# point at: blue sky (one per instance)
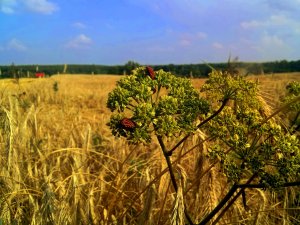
(148, 31)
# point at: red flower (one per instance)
(150, 72)
(127, 124)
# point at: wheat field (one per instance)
(60, 163)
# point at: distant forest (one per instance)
(190, 70)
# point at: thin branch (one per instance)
(219, 206)
(223, 203)
(167, 157)
(248, 185)
(171, 172)
(230, 203)
(288, 184)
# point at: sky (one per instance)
(112, 32)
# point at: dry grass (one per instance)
(61, 165)
(273, 86)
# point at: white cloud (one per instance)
(271, 40)
(38, 6)
(79, 42)
(217, 45)
(272, 47)
(7, 10)
(41, 6)
(287, 5)
(251, 24)
(7, 6)
(201, 35)
(278, 20)
(188, 39)
(185, 42)
(15, 44)
(79, 25)
(273, 20)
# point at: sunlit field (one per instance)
(60, 164)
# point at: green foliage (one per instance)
(245, 141)
(223, 85)
(166, 105)
(293, 92)
(253, 144)
(293, 88)
(248, 145)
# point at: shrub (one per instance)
(251, 149)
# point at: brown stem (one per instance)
(171, 172)
(168, 160)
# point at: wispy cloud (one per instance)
(15, 44)
(79, 25)
(273, 20)
(41, 6)
(287, 5)
(275, 37)
(251, 24)
(8, 6)
(185, 42)
(179, 30)
(201, 35)
(272, 40)
(38, 6)
(217, 45)
(188, 39)
(79, 42)
(272, 47)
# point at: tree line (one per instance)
(191, 70)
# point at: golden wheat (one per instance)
(61, 165)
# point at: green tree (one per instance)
(131, 65)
